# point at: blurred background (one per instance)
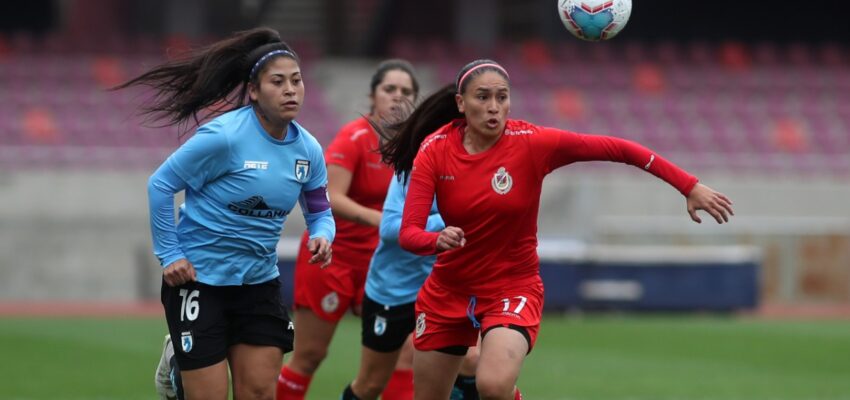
(754, 101)
(751, 97)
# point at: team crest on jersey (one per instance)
(330, 302)
(502, 181)
(380, 325)
(186, 341)
(302, 170)
(420, 324)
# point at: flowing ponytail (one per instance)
(212, 79)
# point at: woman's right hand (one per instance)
(450, 238)
(320, 248)
(179, 272)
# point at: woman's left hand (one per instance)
(715, 203)
(321, 250)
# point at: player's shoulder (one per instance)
(524, 132)
(356, 130)
(228, 123)
(437, 139)
(217, 125)
(520, 128)
(306, 136)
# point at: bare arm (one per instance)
(339, 181)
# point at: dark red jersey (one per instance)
(494, 196)
(355, 149)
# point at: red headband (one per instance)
(462, 78)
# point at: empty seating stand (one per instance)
(761, 107)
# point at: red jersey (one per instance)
(355, 149)
(494, 196)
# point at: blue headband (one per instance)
(263, 59)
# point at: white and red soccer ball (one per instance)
(594, 20)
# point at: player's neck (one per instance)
(476, 142)
(276, 129)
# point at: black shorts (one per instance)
(204, 320)
(386, 328)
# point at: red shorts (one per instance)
(331, 291)
(447, 319)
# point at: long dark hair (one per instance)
(438, 109)
(214, 78)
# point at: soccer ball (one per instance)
(594, 20)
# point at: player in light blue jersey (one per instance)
(392, 284)
(242, 173)
(395, 275)
(241, 183)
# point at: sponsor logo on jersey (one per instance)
(502, 181)
(290, 326)
(186, 341)
(420, 324)
(380, 325)
(430, 140)
(510, 132)
(330, 302)
(256, 164)
(302, 170)
(255, 206)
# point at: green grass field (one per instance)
(601, 357)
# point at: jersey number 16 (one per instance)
(189, 307)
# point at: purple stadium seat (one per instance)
(718, 118)
(667, 53)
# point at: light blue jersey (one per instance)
(396, 275)
(240, 183)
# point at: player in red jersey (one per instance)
(487, 172)
(357, 186)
